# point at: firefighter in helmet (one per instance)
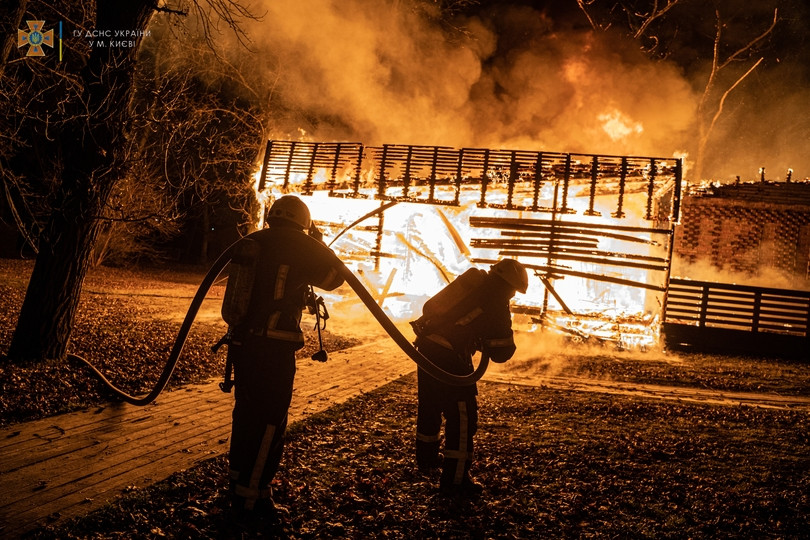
(478, 319)
(284, 260)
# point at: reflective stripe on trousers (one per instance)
(463, 430)
(252, 492)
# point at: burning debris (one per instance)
(595, 230)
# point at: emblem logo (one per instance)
(35, 38)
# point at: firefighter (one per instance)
(287, 258)
(475, 316)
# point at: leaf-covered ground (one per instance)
(126, 325)
(555, 465)
(127, 322)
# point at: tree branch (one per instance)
(727, 92)
(750, 44)
(654, 13)
(583, 6)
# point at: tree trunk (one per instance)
(47, 314)
(92, 150)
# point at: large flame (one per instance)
(412, 250)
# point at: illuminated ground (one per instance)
(556, 464)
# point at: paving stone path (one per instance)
(71, 464)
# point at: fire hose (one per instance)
(179, 342)
(209, 279)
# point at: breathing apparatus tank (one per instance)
(442, 306)
(239, 288)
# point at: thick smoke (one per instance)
(366, 71)
(511, 77)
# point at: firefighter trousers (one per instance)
(459, 408)
(264, 371)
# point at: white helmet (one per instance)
(292, 209)
(512, 272)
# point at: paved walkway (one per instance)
(71, 464)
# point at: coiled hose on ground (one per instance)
(351, 280)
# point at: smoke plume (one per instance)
(513, 77)
(509, 78)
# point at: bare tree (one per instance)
(74, 144)
(658, 28)
(197, 126)
(710, 107)
(11, 18)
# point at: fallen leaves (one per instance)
(555, 463)
(127, 335)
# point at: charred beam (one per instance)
(592, 195)
(484, 179)
(557, 242)
(585, 275)
(458, 177)
(310, 171)
(651, 187)
(267, 152)
(406, 181)
(532, 224)
(561, 255)
(579, 233)
(619, 213)
(383, 165)
(550, 288)
(566, 181)
(358, 174)
(432, 180)
(538, 181)
(335, 164)
(569, 248)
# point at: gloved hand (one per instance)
(495, 354)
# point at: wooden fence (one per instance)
(721, 317)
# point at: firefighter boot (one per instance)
(427, 453)
(256, 512)
(467, 488)
(265, 518)
(456, 480)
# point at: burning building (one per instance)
(595, 231)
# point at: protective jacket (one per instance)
(288, 261)
(480, 322)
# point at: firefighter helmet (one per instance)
(292, 209)
(512, 272)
